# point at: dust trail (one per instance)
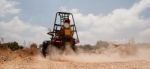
(118, 54)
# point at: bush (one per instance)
(11, 45)
(33, 45)
(100, 44)
(86, 47)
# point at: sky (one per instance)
(109, 20)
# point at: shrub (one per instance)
(11, 45)
(100, 44)
(33, 45)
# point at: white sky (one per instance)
(115, 20)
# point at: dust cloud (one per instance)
(122, 56)
(122, 53)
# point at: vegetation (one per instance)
(101, 43)
(93, 48)
(33, 45)
(10, 45)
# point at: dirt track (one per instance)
(106, 60)
(41, 63)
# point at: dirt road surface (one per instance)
(106, 60)
(39, 62)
